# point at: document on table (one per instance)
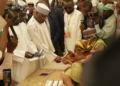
(54, 83)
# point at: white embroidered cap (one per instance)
(108, 7)
(42, 8)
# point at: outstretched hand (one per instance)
(28, 54)
(57, 59)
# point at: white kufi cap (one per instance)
(42, 8)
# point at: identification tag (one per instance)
(67, 32)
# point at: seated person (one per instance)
(90, 43)
(83, 49)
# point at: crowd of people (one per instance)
(84, 34)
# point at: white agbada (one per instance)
(23, 67)
(40, 35)
(72, 25)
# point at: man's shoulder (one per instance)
(77, 13)
(31, 23)
(112, 17)
(30, 26)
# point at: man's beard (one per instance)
(70, 12)
(104, 17)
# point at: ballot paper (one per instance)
(60, 83)
(54, 83)
(49, 83)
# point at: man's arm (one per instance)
(107, 31)
(58, 32)
(3, 41)
(60, 17)
(2, 6)
(35, 37)
(79, 33)
(7, 63)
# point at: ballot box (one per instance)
(23, 67)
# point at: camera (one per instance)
(13, 9)
(94, 12)
(12, 12)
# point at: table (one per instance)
(36, 80)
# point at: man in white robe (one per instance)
(72, 30)
(39, 33)
(22, 67)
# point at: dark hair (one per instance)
(68, 0)
(30, 3)
(80, 0)
(87, 4)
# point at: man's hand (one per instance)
(95, 19)
(28, 54)
(12, 45)
(57, 59)
(9, 21)
(12, 84)
(66, 61)
(82, 27)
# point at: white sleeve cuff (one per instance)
(0, 54)
(2, 22)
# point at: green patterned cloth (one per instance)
(0, 33)
(75, 71)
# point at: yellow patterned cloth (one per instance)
(83, 45)
(75, 71)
